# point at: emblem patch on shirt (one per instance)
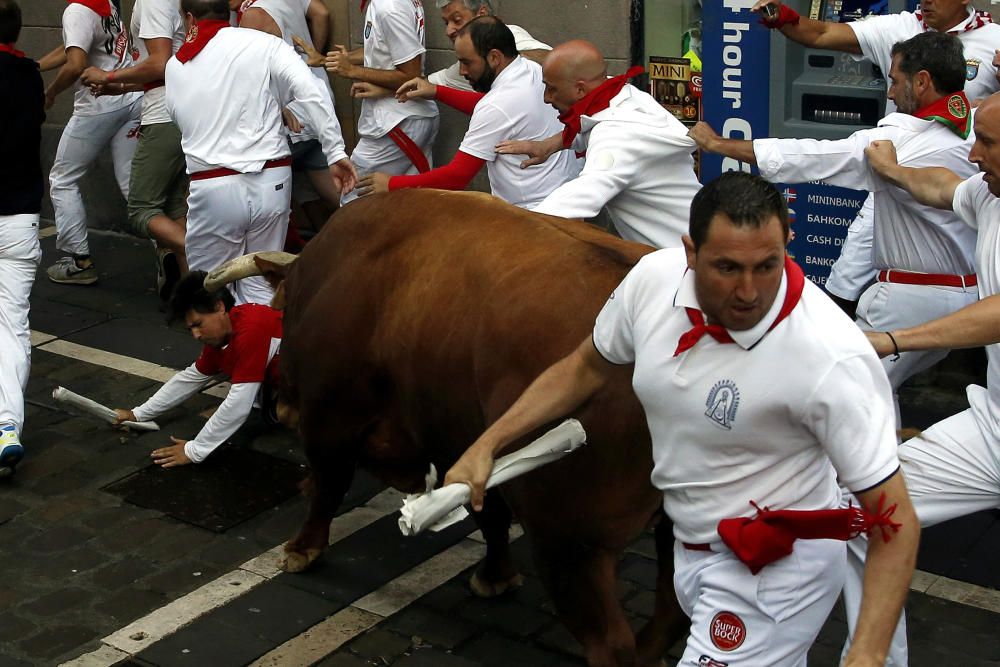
(727, 631)
(722, 403)
(957, 106)
(708, 661)
(368, 30)
(971, 69)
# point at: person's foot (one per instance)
(11, 451)
(168, 272)
(67, 272)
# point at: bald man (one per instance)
(638, 156)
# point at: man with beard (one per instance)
(507, 102)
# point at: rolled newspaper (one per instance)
(93, 408)
(442, 507)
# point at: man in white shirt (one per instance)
(638, 156)
(94, 33)
(295, 22)
(157, 194)
(455, 14)
(226, 88)
(726, 436)
(924, 256)
(511, 106)
(395, 138)
(241, 343)
(872, 39)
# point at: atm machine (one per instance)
(760, 84)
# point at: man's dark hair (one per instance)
(206, 9)
(747, 199)
(190, 294)
(10, 21)
(938, 53)
(488, 33)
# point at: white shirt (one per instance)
(877, 34)
(514, 108)
(290, 16)
(227, 102)
(724, 432)
(908, 235)
(451, 76)
(638, 165)
(394, 34)
(980, 209)
(156, 19)
(107, 45)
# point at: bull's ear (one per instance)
(273, 273)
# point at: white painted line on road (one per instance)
(167, 620)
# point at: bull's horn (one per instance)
(244, 267)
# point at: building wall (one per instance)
(604, 22)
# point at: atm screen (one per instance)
(845, 11)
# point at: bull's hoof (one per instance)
(297, 561)
(490, 589)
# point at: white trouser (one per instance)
(853, 269)
(19, 257)
(83, 139)
(771, 618)
(890, 306)
(382, 153)
(231, 216)
(951, 469)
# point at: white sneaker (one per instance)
(11, 451)
(66, 272)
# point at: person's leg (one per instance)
(771, 618)
(19, 257)
(218, 212)
(270, 204)
(854, 271)
(124, 143)
(382, 153)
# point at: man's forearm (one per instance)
(738, 149)
(357, 57)
(147, 70)
(975, 325)
(53, 59)
(386, 78)
(822, 35)
(932, 186)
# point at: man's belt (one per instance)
(914, 278)
(223, 171)
(153, 85)
(697, 547)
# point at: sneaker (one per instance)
(11, 451)
(168, 273)
(66, 272)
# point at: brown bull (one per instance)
(412, 322)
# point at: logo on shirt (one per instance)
(957, 106)
(727, 631)
(708, 661)
(722, 403)
(971, 69)
(368, 30)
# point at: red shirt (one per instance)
(244, 358)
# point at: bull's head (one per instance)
(271, 264)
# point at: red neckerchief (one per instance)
(977, 20)
(793, 292)
(9, 48)
(200, 34)
(952, 111)
(770, 535)
(363, 3)
(596, 100)
(101, 7)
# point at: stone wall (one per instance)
(605, 22)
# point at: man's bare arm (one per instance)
(76, 62)
(976, 325)
(318, 20)
(817, 34)
(708, 140)
(932, 186)
(147, 70)
(53, 59)
(537, 55)
(338, 63)
(888, 570)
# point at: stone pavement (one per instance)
(80, 563)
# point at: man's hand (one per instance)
(345, 177)
(94, 76)
(122, 415)
(473, 468)
(881, 156)
(416, 89)
(766, 14)
(313, 57)
(338, 62)
(172, 456)
(537, 151)
(704, 136)
(373, 183)
(291, 122)
(363, 90)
